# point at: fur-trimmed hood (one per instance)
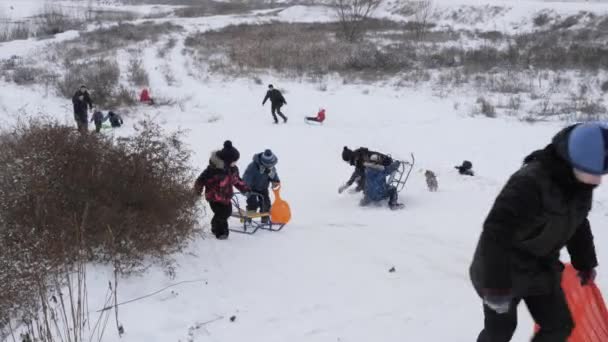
(215, 161)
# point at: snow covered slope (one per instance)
(325, 277)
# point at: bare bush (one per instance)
(23, 75)
(100, 75)
(423, 12)
(164, 50)
(67, 199)
(210, 7)
(486, 108)
(351, 14)
(112, 38)
(137, 74)
(604, 86)
(15, 32)
(53, 21)
(541, 19)
(295, 48)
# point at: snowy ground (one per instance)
(325, 277)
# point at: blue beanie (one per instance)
(588, 147)
(268, 159)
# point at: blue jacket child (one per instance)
(376, 187)
(260, 173)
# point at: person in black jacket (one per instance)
(358, 158)
(542, 208)
(82, 102)
(277, 100)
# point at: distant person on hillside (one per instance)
(319, 118)
(357, 158)
(115, 119)
(542, 208)
(217, 180)
(260, 174)
(98, 118)
(277, 101)
(466, 169)
(376, 187)
(82, 103)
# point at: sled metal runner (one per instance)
(402, 174)
(251, 222)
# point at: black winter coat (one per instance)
(80, 105)
(275, 96)
(541, 209)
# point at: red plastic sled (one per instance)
(587, 307)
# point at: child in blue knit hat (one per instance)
(260, 174)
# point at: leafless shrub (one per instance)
(423, 12)
(16, 31)
(604, 86)
(137, 74)
(64, 202)
(211, 7)
(486, 108)
(53, 20)
(112, 38)
(351, 14)
(164, 50)
(541, 19)
(100, 75)
(23, 75)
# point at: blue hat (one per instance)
(268, 159)
(588, 147)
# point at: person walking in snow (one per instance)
(115, 119)
(277, 101)
(260, 174)
(98, 118)
(82, 102)
(542, 208)
(217, 180)
(376, 188)
(357, 158)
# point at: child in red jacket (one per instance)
(319, 118)
(218, 179)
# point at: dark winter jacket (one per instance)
(115, 119)
(218, 180)
(541, 209)
(376, 187)
(98, 118)
(359, 157)
(275, 96)
(258, 177)
(81, 101)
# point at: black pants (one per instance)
(392, 195)
(276, 109)
(82, 122)
(312, 118)
(550, 312)
(98, 126)
(219, 222)
(261, 202)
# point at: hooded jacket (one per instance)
(258, 177)
(540, 210)
(218, 180)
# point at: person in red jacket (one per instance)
(319, 118)
(217, 180)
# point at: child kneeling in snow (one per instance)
(376, 188)
(319, 118)
(258, 176)
(115, 119)
(218, 179)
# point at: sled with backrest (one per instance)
(250, 222)
(400, 176)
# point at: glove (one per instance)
(342, 188)
(499, 300)
(587, 277)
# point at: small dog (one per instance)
(431, 180)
